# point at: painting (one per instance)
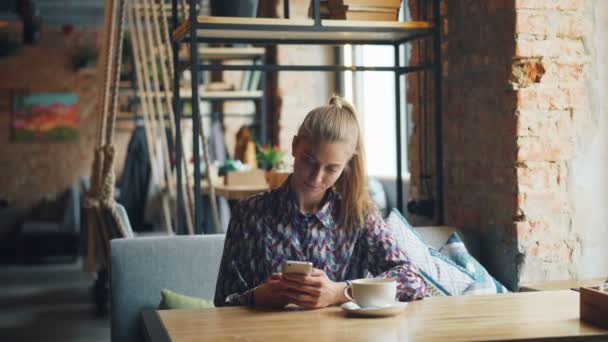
(44, 117)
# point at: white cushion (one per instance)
(435, 268)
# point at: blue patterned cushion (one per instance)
(457, 252)
(438, 270)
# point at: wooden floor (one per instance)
(49, 303)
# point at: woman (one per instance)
(322, 214)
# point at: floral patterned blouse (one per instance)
(268, 228)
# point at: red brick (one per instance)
(542, 205)
(554, 47)
(552, 98)
(550, 4)
(537, 149)
(572, 26)
(564, 70)
(533, 22)
(545, 124)
(539, 176)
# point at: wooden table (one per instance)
(516, 316)
(554, 285)
(234, 192)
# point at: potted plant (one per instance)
(270, 159)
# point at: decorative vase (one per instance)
(276, 178)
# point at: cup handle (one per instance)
(348, 287)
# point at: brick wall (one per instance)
(549, 39)
(514, 74)
(30, 171)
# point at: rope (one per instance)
(186, 188)
(145, 101)
(148, 60)
(158, 112)
(164, 27)
(101, 193)
(156, 27)
(150, 111)
(158, 95)
(111, 120)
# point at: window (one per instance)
(373, 93)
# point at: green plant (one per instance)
(269, 158)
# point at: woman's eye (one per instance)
(309, 161)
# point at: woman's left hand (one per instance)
(314, 290)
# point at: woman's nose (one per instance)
(316, 175)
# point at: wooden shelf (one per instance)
(303, 30)
(204, 94)
(221, 53)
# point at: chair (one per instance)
(141, 267)
(53, 227)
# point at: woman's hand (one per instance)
(268, 294)
(315, 290)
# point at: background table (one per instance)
(547, 315)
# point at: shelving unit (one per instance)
(284, 31)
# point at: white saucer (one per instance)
(390, 310)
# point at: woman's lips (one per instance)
(310, 187)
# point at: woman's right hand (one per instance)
(269, 293)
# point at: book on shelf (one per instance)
(245, 80)
(369, 15)
(256, 76)
(372, 9)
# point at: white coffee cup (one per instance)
(372, 292)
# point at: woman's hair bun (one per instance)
(336, 100)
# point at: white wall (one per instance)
(588, 171)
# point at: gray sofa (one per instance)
(141, 267)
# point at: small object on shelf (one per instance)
(234, 8)
(594, 305)
(219, 86)
(244, 149)
(326, 12)
(373, 15)
(357, 10)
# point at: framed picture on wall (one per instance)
(40, 117)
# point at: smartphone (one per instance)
(297, 267)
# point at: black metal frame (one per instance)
(397, 69)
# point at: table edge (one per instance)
(154, 329)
